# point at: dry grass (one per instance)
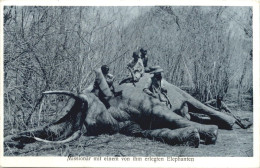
(235, 143)
(230, 143)
(61, 64)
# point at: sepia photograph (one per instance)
(145, 83)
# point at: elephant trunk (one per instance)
(222, 120)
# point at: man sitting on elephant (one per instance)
(154, 86)
(100, 87)
(136, 69)
(144, 58)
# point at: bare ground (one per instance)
(231, 143)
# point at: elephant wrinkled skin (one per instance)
(132, 113)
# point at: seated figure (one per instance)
(144, 58)
(103, 86)
(136, 69)
(154, 86)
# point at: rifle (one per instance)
(167, 99)
(238, 121)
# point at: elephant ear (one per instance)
(102, 83)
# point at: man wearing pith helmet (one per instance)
(154, 86)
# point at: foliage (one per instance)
(47, 48)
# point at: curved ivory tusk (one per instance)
(61, 92)
(67, 93)
(73, 137)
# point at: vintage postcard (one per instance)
(129, 83)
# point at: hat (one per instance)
(156, 69)
(135, 54)
(104, 68)
(142, 50)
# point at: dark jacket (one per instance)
(156, 89)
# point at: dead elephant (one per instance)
(133, 113)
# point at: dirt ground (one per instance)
(230, 143)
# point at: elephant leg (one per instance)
(222, 120)
(130, 128)
(184, 136)
(208, 133)
(162, 118)
(200, 118)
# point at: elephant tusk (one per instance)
(73, 137)
(61, 92)
(67, 93)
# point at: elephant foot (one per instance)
(244, 123)
(188, 136)
(208, 134)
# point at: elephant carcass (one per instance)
(133, 113)
(146, 113)
(87, 109)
